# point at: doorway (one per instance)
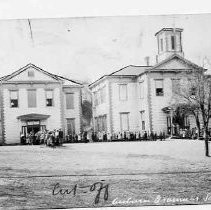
(33, 128)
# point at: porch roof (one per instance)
(33, 116)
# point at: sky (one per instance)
(88, 47)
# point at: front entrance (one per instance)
(33, 128)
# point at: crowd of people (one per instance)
(119, 136)
(49, 138)
(57, 138)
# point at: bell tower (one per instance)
(169, 42)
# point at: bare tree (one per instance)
(194, 94)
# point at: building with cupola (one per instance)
(136, 98)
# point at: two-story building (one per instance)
(34, 99)
(135, 98)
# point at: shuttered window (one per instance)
(124, 121)
(32, 98)
(70, 100)
(123, 92)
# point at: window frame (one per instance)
(128, 121)
(30, 73)
(46, 90)
(35, 97)
(156, 93)
(161, 45)
(17, 98)
(173, 42)
(70, 93)
(126, 98)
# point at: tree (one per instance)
(87, 112)
(194, 92)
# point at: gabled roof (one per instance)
(176, 56)
(65, 80)
(30, 65)
(68, 81)
(130, 70)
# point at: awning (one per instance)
(33, 116)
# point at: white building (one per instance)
(134, 98)
(34, 99)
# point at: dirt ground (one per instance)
(105, 174)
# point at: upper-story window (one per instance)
(49, 97)
(123, 92)
(161, 45)
(159, 87)
(13, 98)
(70, 100)
(173, 42)
(141, 89)
(30, 73)
(32, 98)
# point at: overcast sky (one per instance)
(83, 48)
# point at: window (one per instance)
(30, 73)
(123, 92)
(159, 87)
(32, 100)
(142, 120)
(101, 123)
(141, 89)
(124, 121)
(173, 42)
(13, 98)
(69, 100)
(49, 97)
(161, 45)
(71, 126)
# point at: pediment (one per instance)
(176, 63)
(31, 73)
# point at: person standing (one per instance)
(60, 137)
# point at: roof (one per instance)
(65, 80)
(169, 29)
(180, 58)
(130, 70)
